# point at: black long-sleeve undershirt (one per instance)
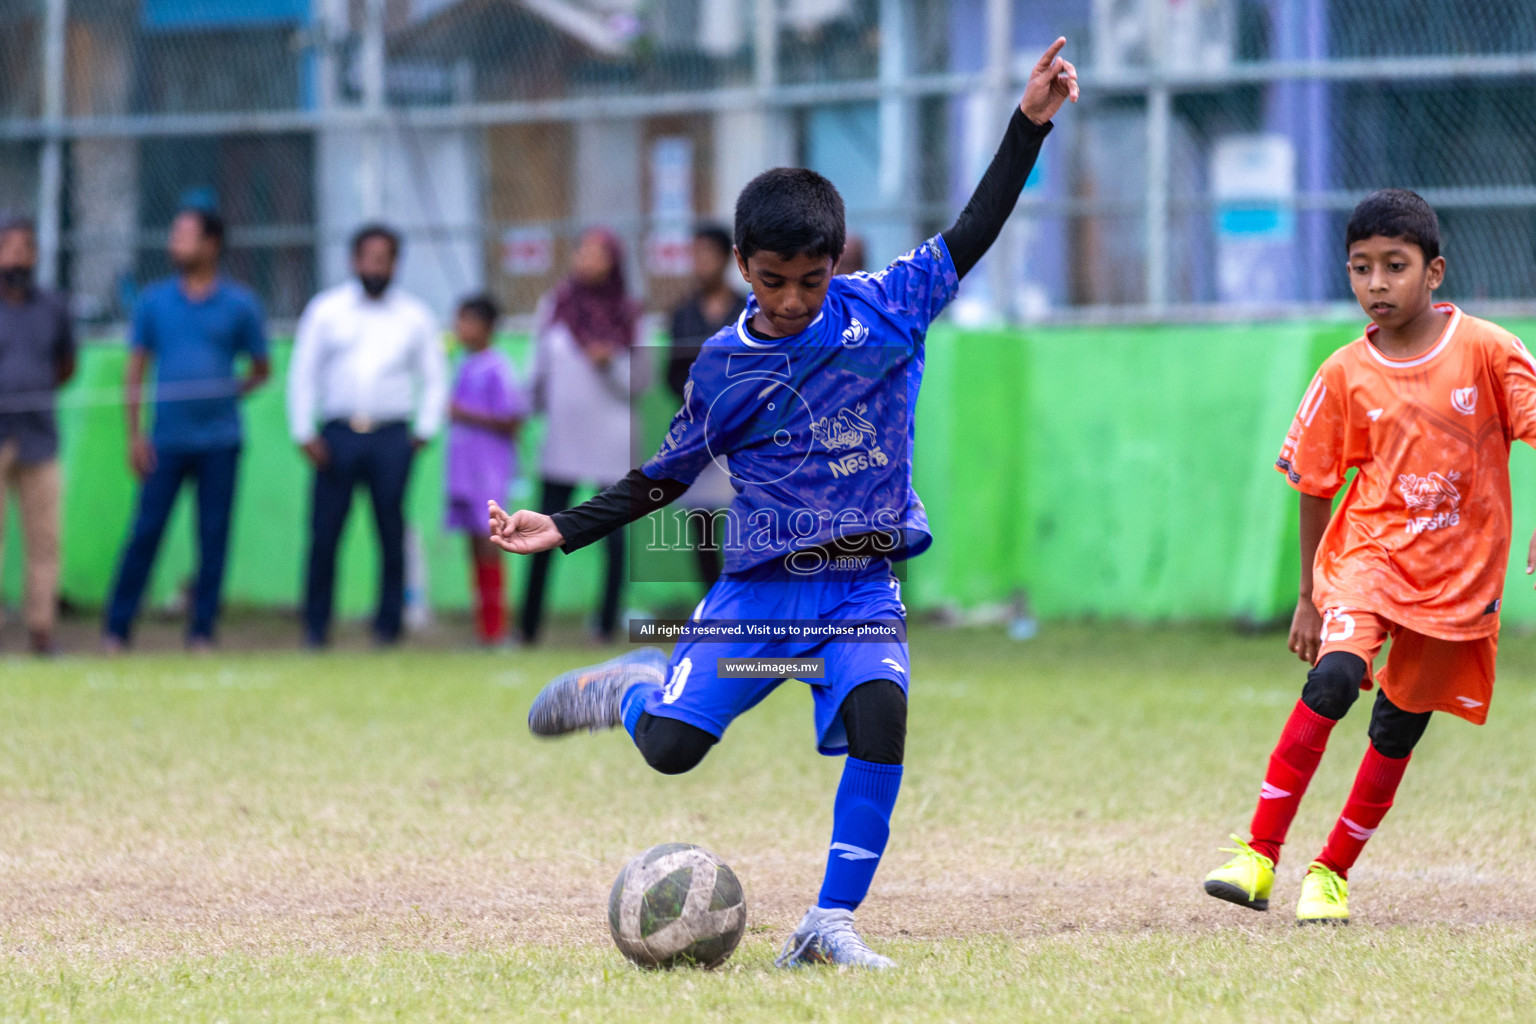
(990, 205)
(634, 497)
(968, 239)
(637, 496)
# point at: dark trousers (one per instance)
(215, 475)
(380, 459)
(556, 497)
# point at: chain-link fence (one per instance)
(1218, 147)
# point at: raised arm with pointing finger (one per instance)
(1052, 82)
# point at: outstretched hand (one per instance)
(1052, 81)
(523, 532)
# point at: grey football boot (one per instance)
(828, 937)
(588, 698)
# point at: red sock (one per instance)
(1291, 767)
(1369, 801)
(488, 592)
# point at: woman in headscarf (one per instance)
(583, 380)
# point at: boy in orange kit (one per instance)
(1425, 407)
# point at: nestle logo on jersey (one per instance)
(849, 427)
(856, 462)
(1431, 493)
(1434, 522)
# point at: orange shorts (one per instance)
(1422, 673)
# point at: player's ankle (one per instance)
(1268, 848)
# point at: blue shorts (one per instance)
(695, 693)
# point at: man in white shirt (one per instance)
(367, 387)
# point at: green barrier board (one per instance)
(1121, 472)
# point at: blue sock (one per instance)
(861, 824)
(633, 704)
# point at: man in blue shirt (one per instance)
(807, 399)
(192, 327)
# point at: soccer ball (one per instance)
(677, 905)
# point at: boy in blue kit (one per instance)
(807, 400)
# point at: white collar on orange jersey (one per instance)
(1408, 364)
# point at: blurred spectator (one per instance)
(192, 327)
(37, 356)
(583, 380)
(852, 259)
(713, 305)
(486, 411)
(369, 369)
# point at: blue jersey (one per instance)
(816, 430)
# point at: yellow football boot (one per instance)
(1324, 897)
(1246, 879)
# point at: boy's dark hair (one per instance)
(1395, 213)
(482, 307)
(715, 234)
(376, 229)
(790, 211)
(209, 221)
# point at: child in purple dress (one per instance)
(487, 410)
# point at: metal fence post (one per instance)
(999, 28)
(893, 176)
(1159, 127)
(765, 46)
(372, 171)
(330, 19)
(50, 166)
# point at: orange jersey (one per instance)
(1422, 536)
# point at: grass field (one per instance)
(376, 837)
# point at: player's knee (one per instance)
(1395, 732)
(670, 746)
(1333, 685)
(875, 716)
